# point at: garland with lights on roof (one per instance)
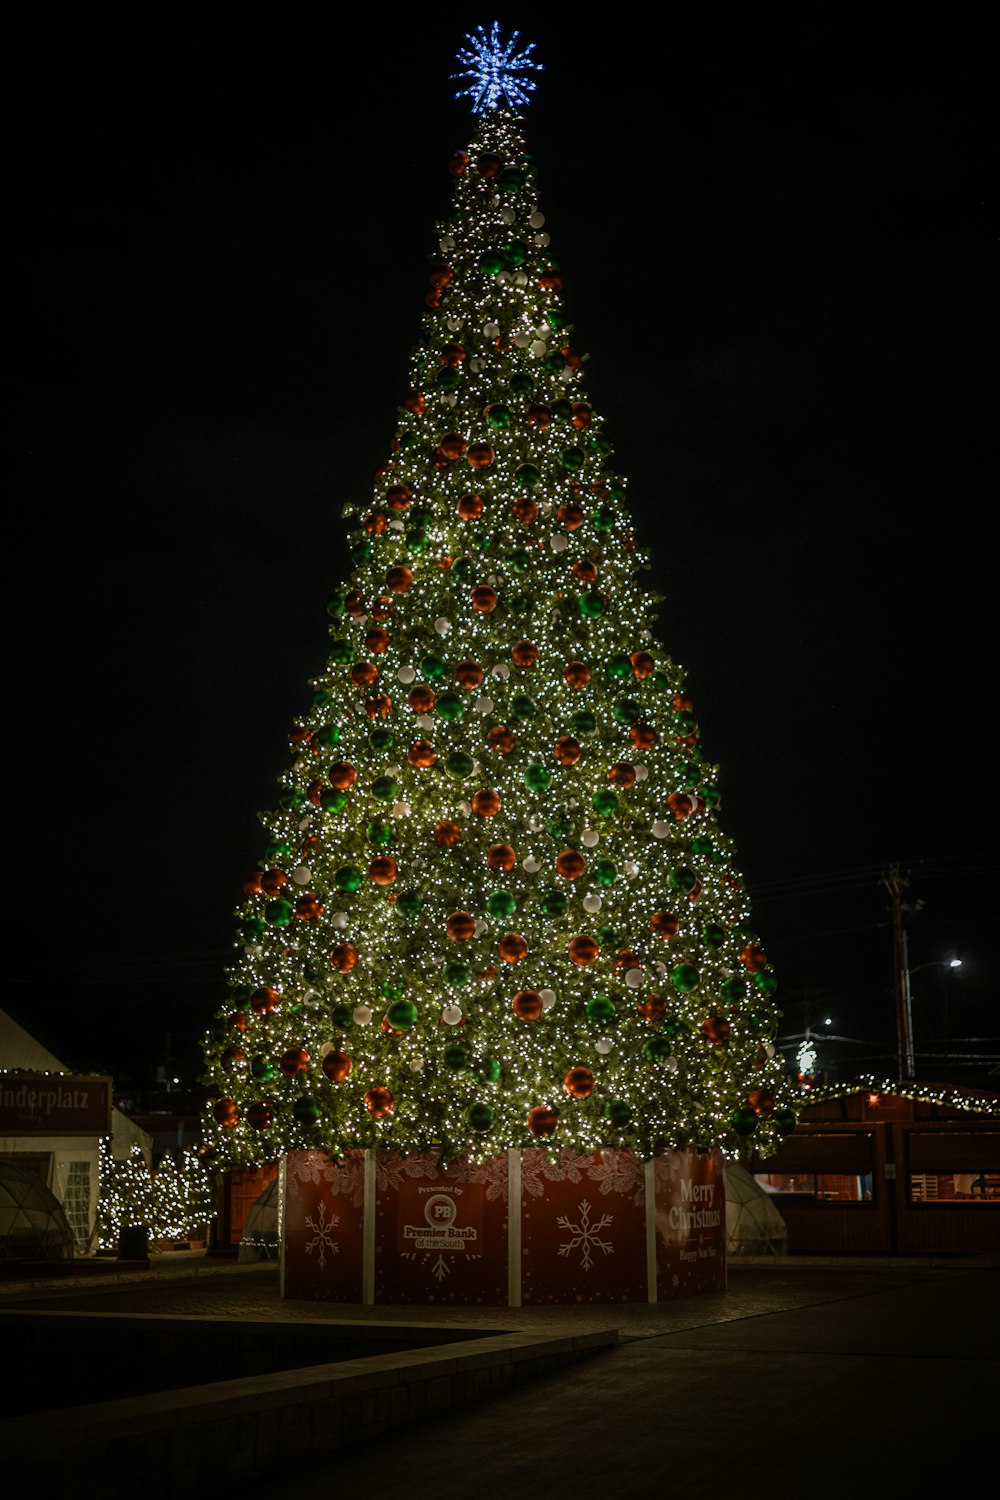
(495, 906)
(973, 1100)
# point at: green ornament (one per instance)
(684, 723)
(457, 973)
(702, 847)
(463, 569)
(501, 904)
(337, 604)
(327, 735)
(490, 263)
(620, 666)
(713, 934)
(291, 800)
(305, 1111)
(600, 1009)
(480, 1116)
(392, 989)
(520, 385)
(604, 872)
(744, 1120)
(421, 516)
(553, 904)
(459, 765)
(361, 553)
(417, 541)
(528, 475)
(348, 878)
(253, 930)
(562, 410)
(262, 1070)
(682, 879)
(522, 604)
(341, 652)
(277, 850)
(450, 706)
(617, 1113)
(572, 457)
(591, 605)
(278, 913)
(656, 1048)
(342, 1017)
(489, 1070)
(626, 711)
(555, 319)
(684, 977)
(711, 795)
(409, 903)
(455, 1057)
(520, 561)
(433, 668)
(732, 991)
(322, 698)
(401, 1015)
(538, 778)
(332, 800)
(604, 518)
(381, 833)
(499, 416)
(605, 802)
(448, 378)
(514, 253)
(554, 362)
(385, 789)
(522, 707)
(583, 722)
(511, 179)
(381, 739)
(766, 982)
(608, 936)
(784, 1119)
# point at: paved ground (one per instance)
(814, 1376)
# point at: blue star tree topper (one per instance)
(495, 71)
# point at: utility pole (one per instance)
(896, 884)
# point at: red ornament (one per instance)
(579, 1082)
(643, 665)
(543, 1120)
(484, 599)
(486, 803)
(754, 958)
(577, 674)
(421, 698)
(524, 653)
(570, 865)
(583, 951)
(566, 750)
(378, 707)
(524, 510)
(488, 164)
(452, 445)
(468, 675)
(527, 1004)
(264, 1000)
(379, 1102)
(664, 925)
(259, 1115)
(399, 580)
(458, 163)
(501, 857)
(512, 948)
(232, 1057)
(421, 753)
(501, 739)
(653, 1008)
(342, 775)
(398, 496)
(539, 416)
(622, 774)
(585, 570)
(716, 1029)
(295, 1060)
(627, 960)
(375, 523)
(344, 956)
(377, 641)
(460, 926)
(761, 1101)
(480, 455)
(272, 881)
(581, 414)
(226, 1113)
(447, 833)
(452, 355)
(643, 736)
(415, 403)
(308, 908)
(336, 1066)
(470, 507)
(364, 673)
(383, 870)
(571, 516)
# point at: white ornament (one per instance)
(455, 322)
(401, 809)
(630, 868)
(559, 543)
(537, 219)
(520, 278)
(605, 1045)
(660, 830)
(491, 330)
(501, 670)
(659, 969)
(531, 864)
(311, 997)
(484, 705)
(446, 243)
(541, 239)
(592, 903)
(396, 524)
(548, 998)
(451, 1015)
(536, 348)
(363, 1015)
(522, 340)
(769, 1048)
(481, 927)
(589, 837)
(633, 978)
(508, 215)
(449, 399)
(505, 278)
(339, 920)
(302, 874)
(476, 365)
(465, 808)
(416, 1065)
(442, 625)
(424, 721)
(671, 1065)
(641, 772)
(327, 1047)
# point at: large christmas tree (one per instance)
(495, 905)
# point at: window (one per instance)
(76, 1203)
(955, 1187)
(818, 1187)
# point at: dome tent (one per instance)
(753, 1224)
(32, 1223)
(259, 1240)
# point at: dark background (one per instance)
(773, 234)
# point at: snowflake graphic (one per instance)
(322, 1238)
(494, 70)
(585, 1235)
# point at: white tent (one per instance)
(753, 1224)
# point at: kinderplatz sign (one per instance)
(54, 1104)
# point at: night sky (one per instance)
(773, 237)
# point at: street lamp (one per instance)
(906, 1060)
